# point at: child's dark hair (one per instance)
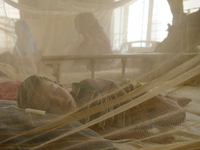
(26, 91)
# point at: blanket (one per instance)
(14, 122)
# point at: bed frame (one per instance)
(56, 60)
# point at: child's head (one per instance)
(43, 94)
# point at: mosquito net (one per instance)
(106, 74)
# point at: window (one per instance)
(11, 12)
(136, 26)
(191, 6)
(6, 43)
(161, 17)
(137, 21)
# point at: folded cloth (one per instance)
(9, 90)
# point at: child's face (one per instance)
(53, 98)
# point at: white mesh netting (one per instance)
(65, 85)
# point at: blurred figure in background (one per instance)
(93, 41)
(176, 7)
(26, 45)
(26, 49)
(25, 41)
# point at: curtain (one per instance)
(72, 6)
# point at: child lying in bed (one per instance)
(43, 94)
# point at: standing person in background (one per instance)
(26, 45)
(25, 41)
(25, 48)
